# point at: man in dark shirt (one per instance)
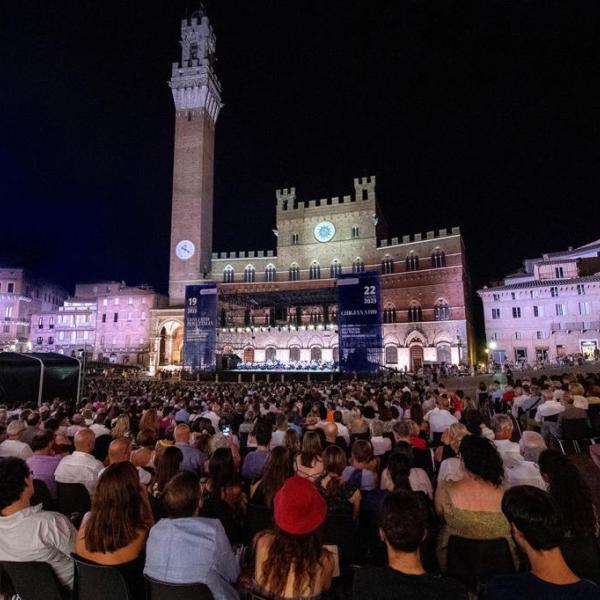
(255, 461)
(538, 529)
(403, 528)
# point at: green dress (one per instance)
(474, 524)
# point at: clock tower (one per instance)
(197, 97)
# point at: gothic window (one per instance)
(270, 273)
(333, 315)
(336, 269)
(389, 313)
(249, 274)
(295, 239)
(315, 353)
(391, 355)
(355, 231)
(412, 262)
(228, 274)
(387, 265)
(438, 259)
(315, 271)
(358, 266)
(415, 313)
(270, 354)
(441, 311)
(294, 353)
(294, 272)
(316, 316)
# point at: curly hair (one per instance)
(481, 458)
(300, 554)
(13, 473)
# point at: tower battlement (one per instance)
(418, 237)
(364, 188)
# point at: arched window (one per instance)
(314, 271)
(358, 266)
(295, 353)
(438, 259)
(412, 262)
(294, 272)
(415, 314)
(444, 354)
(270, 273)
(270, 354)
(249, 354)
(391, 355)
(355, 231)
(228, 274)
(441, 311)
(249, 274)
(387, 265)
(389, 313)
(333, 314)
(335, 270)
(316, 316)
(315, 353)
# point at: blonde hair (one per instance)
(456, 433)
(121, 427)
(576, 389)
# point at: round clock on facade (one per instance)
(324, 231)
(185, 249)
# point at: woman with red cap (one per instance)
(291, 561)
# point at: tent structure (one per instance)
(38, 377)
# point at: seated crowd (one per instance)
(357, 489)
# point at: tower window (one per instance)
(389, 314)
(249, 274)
(336, 269)
(355, 231)
(358, 266)
(193, 51)
(438, 259)
(228, 274)
(412, 262)
(415, 314)
(270, 273)
(295, 239)
(314, 271)
(441, 311)
(387, 265)
(294, 273)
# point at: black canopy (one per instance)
(37, 377)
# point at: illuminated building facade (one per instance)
(548, 310)
(280, 304)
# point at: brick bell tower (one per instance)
(197, 97)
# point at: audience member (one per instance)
(275, 473)
(193, 459)
(43, 463)
(28, 533)
(508, 450)
(439, 419)
(403, 527)
(185, 548)
(308, 463)
(362, 471)
(12, 445)
(81, 466)
(255, 461)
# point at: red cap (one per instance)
(298, 507)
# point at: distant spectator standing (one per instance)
(13, 446)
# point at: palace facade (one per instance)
(281, 303)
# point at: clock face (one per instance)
(185, 249)
(324, 231)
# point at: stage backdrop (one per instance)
(200, 322)
(359, 322)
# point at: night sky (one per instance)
(479, 114)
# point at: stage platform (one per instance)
(252, 375)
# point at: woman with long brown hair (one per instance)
(277, 470)
(150, 420)
(117, 527)
(291, 561)
(341, 498)
(143, 455)
(167, 466)
(308, 463)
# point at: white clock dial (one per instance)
(185, 249)
(324, 231)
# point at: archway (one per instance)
(170, 347)
(177, 346)
(249, 354)
(416, 357)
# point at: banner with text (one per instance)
(200, 327)
(359, 322)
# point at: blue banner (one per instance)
(359, 322)
(200, 327)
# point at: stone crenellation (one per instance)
(418, 237)
(244, 254)
(364, 188)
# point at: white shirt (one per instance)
(418, 479)
(213, 417)
(99, 429)
(524, 473)
(381, 445)
(517, 402)
(451, 470)
(548, 409)
(509, 451)
(79, 467)
(15, 448)
(344, 432)
(439, 420)
(33, 534)
(277, 438)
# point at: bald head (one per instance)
(119, 450)
(182, 433)
(84, 441)
(331, 432)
